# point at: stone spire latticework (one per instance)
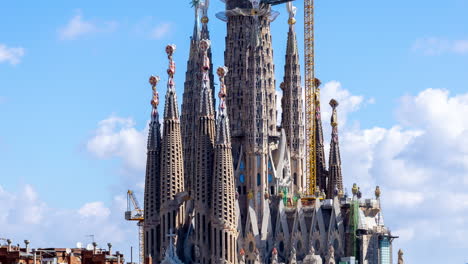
(251, 101)
(335, 179)
(172, 170)
(192, 90)
(322, 173)
(224, 222)
(153, 179)
(203, 166)
(292, 104)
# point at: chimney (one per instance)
(9, 244)
(118, 257)
(110, 248)
(26, 242)
(94, 248)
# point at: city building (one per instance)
(11, 254)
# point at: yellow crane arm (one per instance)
(310, 98)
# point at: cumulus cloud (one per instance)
(77, 27)
(118, 137)
(94, 209)
(11, 55)
(437, 46)
(23, 215)
(420, 163)
(161, 30)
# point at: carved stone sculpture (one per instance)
(400, 257)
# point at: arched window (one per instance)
(242, 178)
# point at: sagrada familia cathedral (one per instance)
(225, 186)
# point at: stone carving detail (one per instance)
(331, 255)
(400, 257)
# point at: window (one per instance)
(258, 179)
(384, 247)
(242, 178)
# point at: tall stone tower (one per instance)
(335, 179)
(192, 90)
(152, 227)
(292, 104)
(224, 221)
(172, 169)
(203, 166)
(322, 173)
(251, 101)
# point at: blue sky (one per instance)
(74, 101)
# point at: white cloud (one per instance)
(78, 27)
(24, 216)
(404, 198)
(437, 46)
(420, 163)
(161, 30)
(94, 209)
(405, 234)
(348, 103)
(11, 55)
(117, 137)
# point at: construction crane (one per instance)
(311, 100)
(312, 94)
(136, 214)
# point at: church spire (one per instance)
(335, 178)
(170, 108)
(172, 171)
(224, 222)
(192, 89)
(292, 120)
(152, 177)
(322, 172)
(204, 160)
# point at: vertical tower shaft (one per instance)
(192, 91)
(152, 228)
(335, 176)
(204, 160)
(172, 170)
(251, 100)
(292, 120)
(224, 223)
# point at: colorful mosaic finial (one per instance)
(222, 71)
(354, 189)
(377, 192)
(172, 67)
(153, 80)
(170, 49)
